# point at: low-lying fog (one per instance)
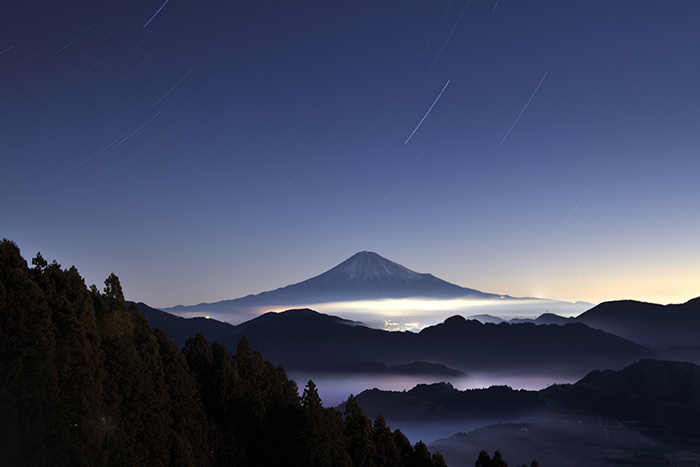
(335, 389)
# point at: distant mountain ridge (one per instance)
(305, 340)
(648, 323)
(675, 327)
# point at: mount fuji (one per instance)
(366, 276)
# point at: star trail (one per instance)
(206, 151)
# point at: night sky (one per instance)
(207, 150)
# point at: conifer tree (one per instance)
(134, 384)
(256, 384)
(217, 381)
(358, 432)
(439, 460)
(484, 460)
(265, 402)
(310, 400)
(28, 380)
(421, 456)
(404, 446)
(388, 453)
(188, 442)
(151, 397)
(78, 439)
(498, 460)
(321, 439)
(225, 383)
(200, 361)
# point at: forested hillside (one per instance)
(665, 394)
(84, 381)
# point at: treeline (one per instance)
(484, 460)
(442, 402)
(84, 381)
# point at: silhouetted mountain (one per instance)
(183, 328)
(290, 316)
(551, 318)
(681, 353)
(648, 391)
(364, 276)
(567, 349)
(657, 393)
(303, 339)
(483, 318)
(442, 402)
(310, 341)
(647, 323)
(545, 318)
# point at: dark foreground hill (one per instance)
(181, 329)
(85, 381)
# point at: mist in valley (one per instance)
(334, 389)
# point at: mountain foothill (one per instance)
(88, 378)
(304, 340)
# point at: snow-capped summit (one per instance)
(366, 275)
(368, 266)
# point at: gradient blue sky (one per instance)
(226, 148)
